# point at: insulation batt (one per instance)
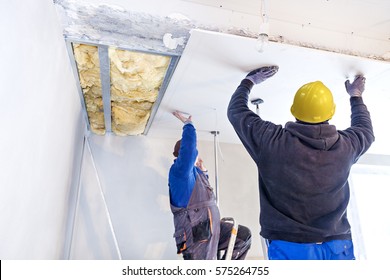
(136, 80)
(87, 59)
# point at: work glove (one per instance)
(259, 75)
(357, 87)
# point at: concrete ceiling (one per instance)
(310, 40)
(357, 27)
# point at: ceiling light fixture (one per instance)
(262, 40)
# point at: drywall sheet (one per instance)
(213, 64)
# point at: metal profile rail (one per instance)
(104, 62)
(73, 64)
(168, 75)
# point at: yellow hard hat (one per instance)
(313, 103)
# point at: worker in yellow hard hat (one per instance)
(313, 103)
(303, 167)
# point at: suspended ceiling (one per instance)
(310, 40)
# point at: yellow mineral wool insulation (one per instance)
(87, 58)
(136, 79)
(143, 105)
(128, 121)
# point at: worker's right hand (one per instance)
(181, 117)
(200, 165)
(357, 87)
(259, 75)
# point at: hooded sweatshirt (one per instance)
(303, 170)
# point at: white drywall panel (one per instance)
(134, 176)
(42, 129)
(213, 64)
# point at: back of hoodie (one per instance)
(303, 170)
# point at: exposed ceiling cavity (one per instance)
(120, 87)
(88, 66)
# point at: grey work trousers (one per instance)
(241, 246)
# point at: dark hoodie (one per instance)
(303, 170)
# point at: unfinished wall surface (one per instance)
(42, 132)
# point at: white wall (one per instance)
(133, 176)
(133, 173)
(42, 131)
(93, 237)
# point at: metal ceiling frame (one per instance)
(72, 59)
(104, 63)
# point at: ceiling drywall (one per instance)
(213, 64)
(310, 40)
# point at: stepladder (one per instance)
(233, 237)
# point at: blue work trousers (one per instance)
(331, 250)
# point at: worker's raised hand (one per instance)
(200, 165)
(259, 75)
(357, 87)
(182, 117)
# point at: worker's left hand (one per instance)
(182, 117)
(259, 75)
(357, 87)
